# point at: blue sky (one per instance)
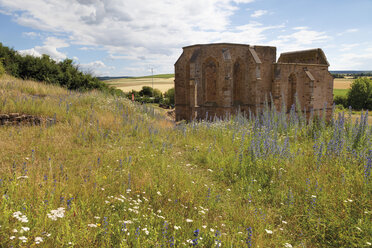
(129, 37)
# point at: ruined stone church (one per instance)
(219, 79)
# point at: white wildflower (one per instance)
(22, 177)
(212, 230)
(177, 227)
(268, 231)
(189, 220)
(210, 170)
(25, 229)
(57, 213)
(146, 231)
(92, 225)
(158, 193)
(15, 230)
(38, 240)
(229, 190)
(288, 245)
(23, 238)
(368, 243)
(284, 222)
(313, 196)
(12, 237)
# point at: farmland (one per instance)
(106, 172)
(161, 82)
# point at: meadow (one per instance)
(106, 172)
(162, 82)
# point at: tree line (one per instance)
(45, 69)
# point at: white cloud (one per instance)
(32, 35)
(348, 31)
(149, 32)
(51, 44)
(348, 47)
(259, 13)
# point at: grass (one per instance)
(112, 173)
(340, 92)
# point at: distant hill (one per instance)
(349, 72)
(104, 78)
(150, 76)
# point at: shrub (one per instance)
(360, 94)
(170, 96)
(2, 70)
(340, 100)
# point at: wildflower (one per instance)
(25, 229)
(368, 243)
(268, 231)
(23, 238)
(205, 226)
(212, 230)
(15, 230)
(12, 237)
(146, 231)
(158, 193)
(189, 220)
(177, 227)
(210, 170)
(284, 222)
(92, 225)
(229, 190)
(55, 214)
(22, 177)
(196, 232)
(313, 196)
(288, 245)
(38, 240)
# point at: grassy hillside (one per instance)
(110, 173)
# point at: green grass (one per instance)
(127, 177)
(340, 92)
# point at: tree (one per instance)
(170, 96)
(2, 70)
(146, 91)
(360, 94)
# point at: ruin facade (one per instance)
(219, 79)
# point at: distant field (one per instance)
(162, 82)
(340, 92)
(342, 83)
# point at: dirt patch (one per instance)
(16, 119)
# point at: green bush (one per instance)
(2, 70)
(360, 94)
(169, 95)
(340, 100)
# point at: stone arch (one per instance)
(292, 84)
(239, 82)
(210, 77)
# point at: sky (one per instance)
(129, 37)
